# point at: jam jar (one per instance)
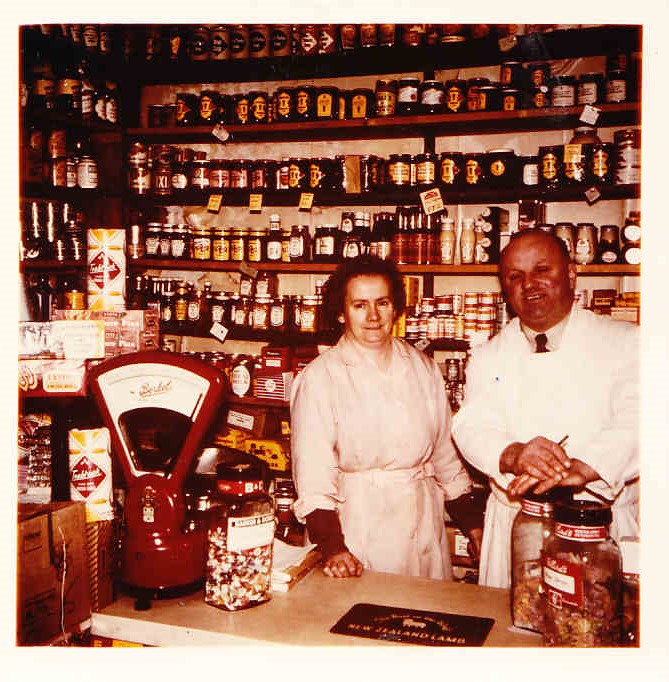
(285, 103)
(563, 91)
(327, 103)
(531, 530)
(501, 168)
(451, 169)
(385, 97)
(363, 103)
(399, 170)
(432, 97)
(582, 578)
(551, 166)
(590, 88)
(407, 96)
(455, 95)
(305, 103)
(473, 97)
(474, 164)
(240, 537)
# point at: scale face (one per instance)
(157, 407)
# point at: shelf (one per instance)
(250, 401)
(410, 196)
(626, 113)
(399, 59)
(290, 338)
(51, 264)
(35, 190)
(305, 268)
(53, 120)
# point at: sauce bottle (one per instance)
(447, 239)
(467, 241)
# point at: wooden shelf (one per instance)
(317, 268)
(626, 113)
(398, 59)
(390, 197)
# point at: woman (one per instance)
(372, 455)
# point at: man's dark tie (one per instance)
(541, 340)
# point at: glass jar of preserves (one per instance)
(585, 246)
(239, 174)
(615, 87)
(240, 109)
(362, 103)
(326, 244)
(386, 97)
(238, 245)
(240, 538)
(426, 169)
(432, 97)
(565, 232)
(273, 243)
(501, 168)
(199, 174)
(201, 243)
(305, 102)
(563, 91)
(254, 246)
(455, 95)
(180, 242)
(551, 166)
(474, 169)
(407, 96)
(267, 283)
(260, 314)
(511, 99)
(473, 98)
(582, 578)
(186, 109)
(298, 173)
(399, 170)
(152, 240)
(165, 244)
(300, 244)
(239, 41)
(628, 160)
(220, 244)
(529, 170)
(309, 314)
(601, 163)
(451, 169)
(219, 174)
(258, 106)
(608, 248)
(278, 314)
(590, 88)
(531, 530)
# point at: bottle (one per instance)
(273, 243)
(467, 241)
(300, 244)
(111, 103)
(138, 293)
(582, 578)
(194, 308)
(68, 91)
(167, 312)
(447, 239)
(631, 238)
(240, 536)
(531, 530)
(180, 320)
(288, 528)
(43, 298)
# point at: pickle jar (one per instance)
(585, 245)
(582, 578)
(288, 528)
(239, 539)
(531, 530)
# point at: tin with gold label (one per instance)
(362, 103)
(327, 103)
(455, 95)
(399, 170)
(474, 169)
(501, 168)
(258, 107)
(298, 173)
(259, 41)
(239, 41)
(285, 103)
(426, 169)
(474, 101)
(601, 163)
(241, 113)
(280, 39)
(511, 99)
(451, 169)
(305, 102)
(551, 166)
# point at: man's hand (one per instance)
(342, 565)
(474, 544)
(579, 474)
(539, 458)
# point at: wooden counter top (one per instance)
(305, 614)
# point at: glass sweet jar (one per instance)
(532, 528)
(582, 578)
(239, 539)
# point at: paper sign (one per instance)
(214, 203)
(507, 43)
(592, 194)
(219, 331)
(589, 114)
(432, 201)
(306, 201)
(255, 202)
(220, 133)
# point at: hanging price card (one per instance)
(248, 270)
(589, 114)
(255, 203)
(432, 201)
(306, 201)
(219, 331)
(214, 203)
(221, 133)
(592, 194)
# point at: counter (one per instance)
(305, 614)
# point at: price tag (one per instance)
(589, 114)
(219, 331)
(255, 203)
(214, 203)
(221, 133)
(592, 194)
(507, 43)
(306, 201)
(432, 201)
(572, 153)
(247, 270)
(422, 344)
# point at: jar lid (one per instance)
(583, 513)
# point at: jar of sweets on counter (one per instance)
(240, 537)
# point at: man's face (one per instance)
(537, 280)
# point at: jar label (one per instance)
(425, 173)
(240, 377)
(549, 167)
(221, 249)
(432, 96)
(564, 583)
(385, 104)
(581, 533)
(449, 171)
(454, 98)
(530, 174)
(472, 172)
(260, 317)
(274, 250)
(587, 93)
(202, 248)
(324, 105)
(296, 247)
(358, 106)
(616, 91)
(562, 96)
(250, 532)
(399, 173)
(302, 102)
(600, 163)
(242, 110)
(283, 104)
(407, 93)
(497, 168)
(509, 103)
(307, 321)
(276, 316)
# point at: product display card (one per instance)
(396, 624)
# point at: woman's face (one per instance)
(369, 312)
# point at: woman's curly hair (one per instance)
(334, 289)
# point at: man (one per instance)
(557, 410)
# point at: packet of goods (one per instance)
(106, 269)
(91, 472)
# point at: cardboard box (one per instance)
(125, 331)
(269, 385)
(99, 549)
(52, 377)
(52, 570)
(70, 339)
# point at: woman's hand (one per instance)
(342, 565)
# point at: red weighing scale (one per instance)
(158, 407)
